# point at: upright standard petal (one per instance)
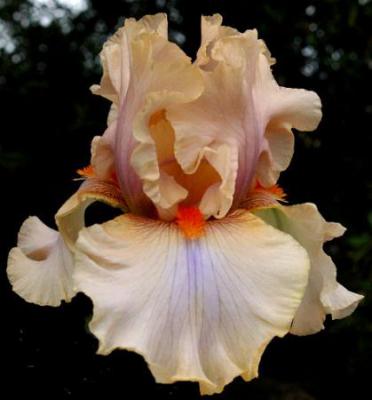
(201, 310)
(244, 108)
(143, 74)
(211, 30)
(222, 118)
(324, 295)
(40, 267)
(282, 109)
(163, 76)
(115, 55)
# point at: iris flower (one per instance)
(207, 263)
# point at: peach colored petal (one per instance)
(222, 119)
(40, 267)
(115, 55)
(199, 310)
(142, 73)
(324, 295)
(243, 108)
(164, 76)
(282, 109)
(103, 161)
(70, 218)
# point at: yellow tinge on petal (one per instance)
(192, 184)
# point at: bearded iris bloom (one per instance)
(207, 263)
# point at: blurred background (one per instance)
(49, 58)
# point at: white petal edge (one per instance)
(199, 310)
(324, 295)
(40, 268)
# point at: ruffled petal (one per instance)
(324, 295)
(244, 108)
(211, 30)
(282, 109)
(40, 267)
(70, 218)
(115, 55)
(143, 72)
(223, 120)
(164, 76)
(199, 310)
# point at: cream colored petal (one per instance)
(276, 155)
(198, 310)
(146, 73)
(102, 160)
(228, 113)
(40, 267)
(163, 76)
(282, 109)
(324, 295)
(113, 114)
(156, 23)
(70, 218)
(211, 31)
(115, 55)
(218, 198)
(242, 107)
(222, 117)
(115, 78)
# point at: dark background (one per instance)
(48, 60)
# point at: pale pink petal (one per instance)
(324, 295)
(40, 267)
(200, 310)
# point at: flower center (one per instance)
(191, 221)
(196, 183)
